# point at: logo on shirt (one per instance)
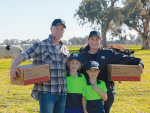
(102, 57)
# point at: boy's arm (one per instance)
(83, 104)
(103, 95)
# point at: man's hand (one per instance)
(13, 70)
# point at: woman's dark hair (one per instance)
(87, 47)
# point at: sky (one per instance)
(31, 19)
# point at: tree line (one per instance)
(17, 41)
(108, 16)
(77, 41)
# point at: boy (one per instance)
(94, 90)
(75, 82)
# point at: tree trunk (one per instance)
(145, 44)
(104, 39)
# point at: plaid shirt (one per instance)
(46, 52)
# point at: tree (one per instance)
(132, 37)
(65, 42)
(14, 41)
(32, 41)
(138, 39)
(137, 17)
(6, 42)
(78, 40)
(102, 14)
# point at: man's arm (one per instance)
(32, 52)
(13, 68)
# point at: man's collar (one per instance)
(51, 38)
(89, 83)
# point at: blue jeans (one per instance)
(52, 103)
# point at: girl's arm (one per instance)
(103, 95)
(83, 104)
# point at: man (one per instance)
(51, 94)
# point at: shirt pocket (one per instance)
(48, 57)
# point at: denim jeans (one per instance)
(52, 103)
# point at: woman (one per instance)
(93, 51)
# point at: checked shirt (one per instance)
(45, 52)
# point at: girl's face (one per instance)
(74, 65)
(94, 42)
(93, 73)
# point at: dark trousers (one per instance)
(110, 96)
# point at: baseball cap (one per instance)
(94, 33)
(92, 65)
(58, 21)
(75, 56)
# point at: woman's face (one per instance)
(94, 42)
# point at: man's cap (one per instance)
(58, 21)
(94, 33)
(92, 65)
(75, 56)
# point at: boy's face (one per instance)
(74, 65)
(93, 73)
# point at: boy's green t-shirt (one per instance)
(89, 93)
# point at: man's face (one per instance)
(57, 31)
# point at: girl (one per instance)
(74, 82)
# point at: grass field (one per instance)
(131, 97)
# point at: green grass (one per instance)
(131, 97)
(134, 97)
